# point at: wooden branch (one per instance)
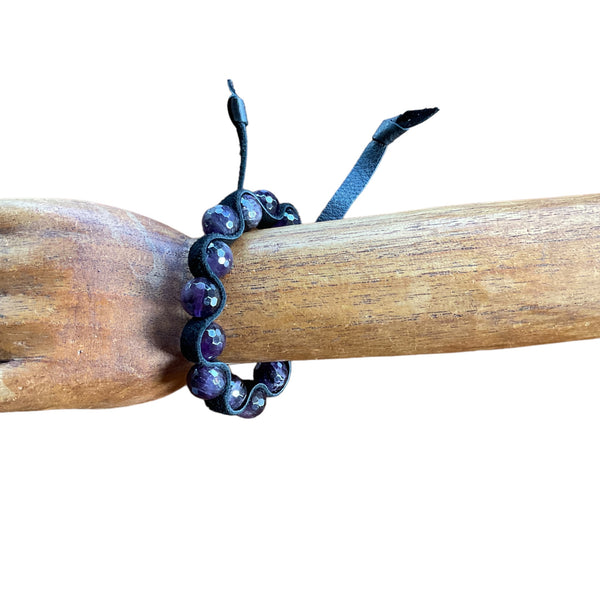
(440, 280)
(89, 311)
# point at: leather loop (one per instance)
(388, 131)
(237, 111)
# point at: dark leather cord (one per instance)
(237, 113)
(361, 173)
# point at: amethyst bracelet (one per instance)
(203, 340)
(211, 259)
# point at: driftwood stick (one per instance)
(440, 280)
(89, 312)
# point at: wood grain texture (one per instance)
(441, 280)
(89, 311)
(90, 317)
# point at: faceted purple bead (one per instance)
(220, 219)
(252, 210)
(273, 374)
(206, 382)
(219, 258)
(257, 404)
(289, 218)
(268, 200)
(237, 394)
(212, 342)
(200, 297)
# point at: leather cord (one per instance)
(237, 113)
(361, 173)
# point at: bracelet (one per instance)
(211, 258)
(204, 297)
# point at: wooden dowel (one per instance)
(440, 280)
(90, 316)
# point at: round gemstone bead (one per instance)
(200, 297)
(219, 258)
(257, 404)
(220, 219)
(268, 200)
(273, 374)
(289, 218)
(206, 382)
(237, 394)
(252, 210)
(212, 342)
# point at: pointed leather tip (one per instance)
(413, 117)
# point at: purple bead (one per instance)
(220, 219)
(289, 218)
(212, 342)
(269, 201)
(273, 374)
(237, 394)
(200, 297)
(206, 382)
(252, 210)
(257, 404)
(219, 258)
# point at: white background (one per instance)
(471, 475)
